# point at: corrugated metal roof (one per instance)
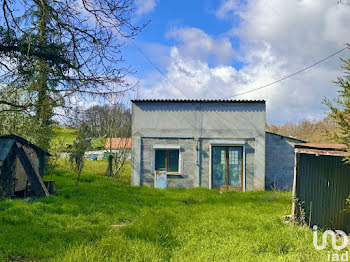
(5, 147)
(303, 141)
(195, 101)
(341, 147)
(24, 141)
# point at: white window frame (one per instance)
(227, 143)
(165, 147)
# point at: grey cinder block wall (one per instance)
(194, 127)
(280, 161)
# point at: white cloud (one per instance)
(145, 6)
(306, 28)
(195, 43)
(277, 38)
(227, 8)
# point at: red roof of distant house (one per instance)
(118, 143)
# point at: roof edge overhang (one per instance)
(26, 142)
(321, 149)
(320, 152)
(195, 101)
(302, 141)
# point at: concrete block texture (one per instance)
(280, 161)
(192, 127)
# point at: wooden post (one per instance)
(310, 214)
(294, 207)
(166, 160)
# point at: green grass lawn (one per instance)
(76, 224)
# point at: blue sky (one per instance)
(169, 15)
(212, 49)
(195, 13)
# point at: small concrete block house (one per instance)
(209, 143)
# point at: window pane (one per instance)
(235, 166)
(160, 159)
(173, 161)
(219, 165)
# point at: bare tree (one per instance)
(117, 157)
(107, 119)
(311, 131)
(118, 128)
(51, 50)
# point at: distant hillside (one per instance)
(66, 136)
(311, 131)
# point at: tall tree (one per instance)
(340, 109)
(109, 120)
(51, 50)
(311, 131)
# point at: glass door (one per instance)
(227, 167)
(235, 170)
(219, 166)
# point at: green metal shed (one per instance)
(321, 185)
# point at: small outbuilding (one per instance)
(321, 186)
(217, 144)
(22, 166)
(279, 161)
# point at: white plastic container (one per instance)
(160, 178)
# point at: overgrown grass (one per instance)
(106, 220)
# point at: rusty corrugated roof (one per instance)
(341, 147)
(195, 101)
(118, 143)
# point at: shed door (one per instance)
(21, 177)
(227, 167)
